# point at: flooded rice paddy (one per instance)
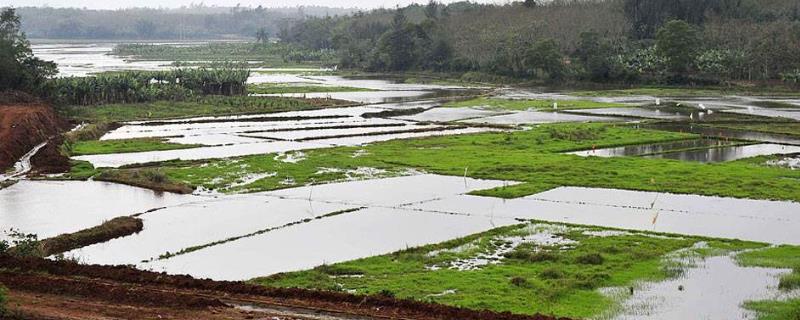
(225, 137)
(637, 210)
(343, 221)
(51, 208)
(80, 60)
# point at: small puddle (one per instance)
(728, 153)
(654, 148)
(725, 133)
(709, 288)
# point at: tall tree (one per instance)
(678, 43)
(397, 44)
(545, 55)
(19, 69)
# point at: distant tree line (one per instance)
(195, 22)
(665, 41)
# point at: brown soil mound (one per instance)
(23, 125)
(50, 159)
(25, 274)
(112, 229)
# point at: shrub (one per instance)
(2, 300)
(519, 281)
(551, 273)
(591, 258)
(525, 255)
(386, 293)
(337, 270)
(22, 244)
(790, 281)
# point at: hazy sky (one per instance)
(116, 4)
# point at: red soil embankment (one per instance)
(24, 123)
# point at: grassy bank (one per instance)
(539, 104)
(114, 228)
(558, 276)
(87, 147)
(280, 88)
(150, 178)
(203, 106)
(534, 157)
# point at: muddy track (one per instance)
(125, 285)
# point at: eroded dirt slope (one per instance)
(24, 123)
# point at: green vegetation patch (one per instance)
(280, 88)
(776, 257)
(534, 157)
(202, 106)
(560, 277)
(507, 104)
(775, 310)
(87, 147)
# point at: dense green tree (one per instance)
(262, 36)
(529, 3)
(396, 47)
(678, 43)
(545, 56)
(597, 57)
(19, 69)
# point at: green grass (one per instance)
(87, 147)
(506, 104)
(531, 279)
(81, 170)
(533, 157)
(787, 257)
(278, 88)
(203, 106)
(775, 310)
